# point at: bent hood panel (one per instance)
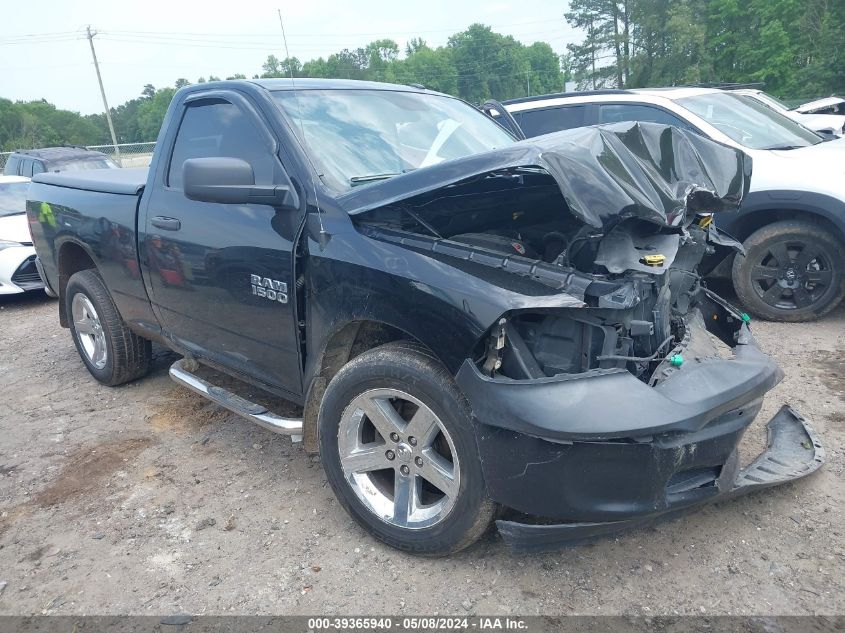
(605, 173)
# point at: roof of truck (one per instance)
(305, 83)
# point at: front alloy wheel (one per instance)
(399, 458)
(398, 446)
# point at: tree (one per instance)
(431, 68)
(151, 113)
(545, 74)
(32, 124)
(415, 45)
(797, 47)
(608, 26)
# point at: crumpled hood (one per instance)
(606, 173)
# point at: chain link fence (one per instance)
(127, 154)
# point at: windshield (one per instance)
(776, 103)
(749, 122)
(360, 136)
(13, 198)
(87, 163)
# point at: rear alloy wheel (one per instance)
(792, 271)
(89, 330)
(110, 350)
(398, 447)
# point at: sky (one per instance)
(44, 52)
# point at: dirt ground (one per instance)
(147, 499)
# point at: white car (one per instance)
(828, 106)
(805, 114)
(792, 223)
(18, 272)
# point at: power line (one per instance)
(325, 34)
(257, 45)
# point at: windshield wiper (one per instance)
(786, 147)
(360, 180)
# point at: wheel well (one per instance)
(354, 339)
(753, 221)
(350, 341)
(72, 259)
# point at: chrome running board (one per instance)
(250, 410)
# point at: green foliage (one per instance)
(24, 125)
(796, 47)
(476, 64)
(151, 112)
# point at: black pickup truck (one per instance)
(475, 327)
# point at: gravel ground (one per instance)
(147, 499)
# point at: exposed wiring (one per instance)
(636, 358)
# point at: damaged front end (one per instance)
(619, 388)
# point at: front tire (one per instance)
(111, 352)
(398, 448)
(792, 271)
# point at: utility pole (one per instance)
(103, 92)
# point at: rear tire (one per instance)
(398, 448)
(111, 352)
(792, 271)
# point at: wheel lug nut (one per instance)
(394, 437)
(390, 455)
(418, 461)
(412, 441)
(405, 470)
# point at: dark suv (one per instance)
(35, 161)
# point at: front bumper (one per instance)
(574, 457)
(17, 270)
(793, 452)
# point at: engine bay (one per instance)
(637, 279)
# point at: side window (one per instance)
(547, 120)
(616, 112)
(37, 167)
(12, 166)
(220, 128)
(26, 167)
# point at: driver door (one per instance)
(221, 275)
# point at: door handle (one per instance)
(166, 224)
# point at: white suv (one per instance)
(792, 222)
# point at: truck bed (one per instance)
(92, 215)
(119, 181)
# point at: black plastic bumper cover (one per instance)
(793, 452)
(613, 404)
